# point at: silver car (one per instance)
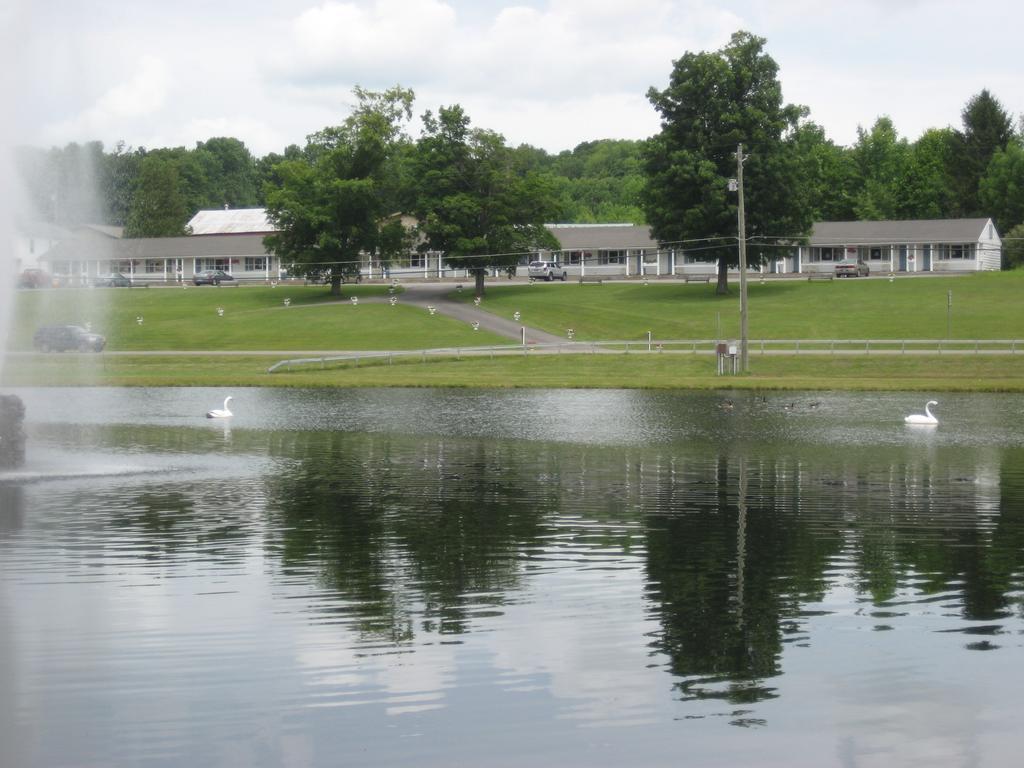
(546, 270)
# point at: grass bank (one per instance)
(665, 371)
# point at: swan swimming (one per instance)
(925, 418)
(218, 413)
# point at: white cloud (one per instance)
(550, 72)
(354, 42)
(144, 94)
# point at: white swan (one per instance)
(925, 418)
(218, 413)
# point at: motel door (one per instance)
(903, 258)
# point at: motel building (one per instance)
(232, 240)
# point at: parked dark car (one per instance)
(212, 277)
(35, 278)
(852, 268)
(60, 338)
(113, 280)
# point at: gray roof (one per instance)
(594, 237)
(40, 229)
(193, 246)
(896, 232)
(230, 221)
(108, 230)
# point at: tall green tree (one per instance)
(158, 207)
(473, 205)
(987, 128)
(715, 101)
(230, 171)
(928, 189)
(1013, 248)
(118, 179)
(63, 183)
(1001, 191)
(828, 174)
(881, 158)
(335, 204)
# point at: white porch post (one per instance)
(892, 267)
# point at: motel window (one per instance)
(946, 252)
(255, 263)
(154, 267)
(571, 257)
(222, 264)
(650, 257)
(827, 254)
(612, 257)
(417, 260)
(875, 254)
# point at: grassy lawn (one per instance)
(984, 306)
(255, 318)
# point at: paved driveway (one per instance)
(436, 294)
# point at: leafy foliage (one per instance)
(1002, 188)
(334, 204)
(158, 207)
(473, 205)
(715, 101)
(475, 195)
(987, 128)
(1013, 248)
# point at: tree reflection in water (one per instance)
(414, 543)
(423, 535)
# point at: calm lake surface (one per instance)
(485, 578)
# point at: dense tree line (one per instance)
(674, 181)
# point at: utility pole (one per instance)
(742, 227)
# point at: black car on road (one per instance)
(60, 338)
(212, 277)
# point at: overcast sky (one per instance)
(552, 73)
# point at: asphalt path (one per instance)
(439, 295)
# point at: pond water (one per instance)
(487, 578)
